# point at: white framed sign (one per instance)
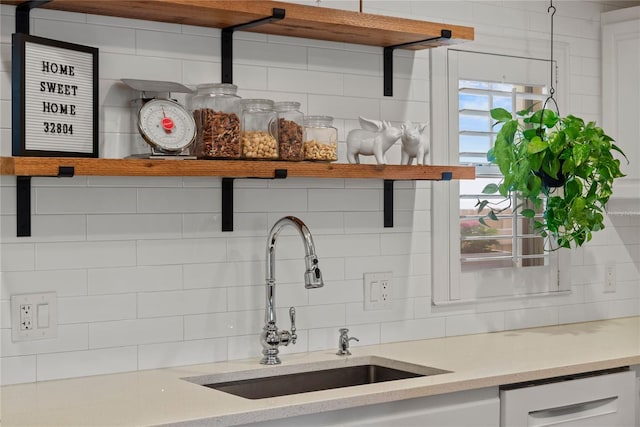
(55, 98)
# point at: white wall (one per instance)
(146, 279)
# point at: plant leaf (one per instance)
(490, 189)
(580, 153)
(536, 145)
(501, 115)
(528, 213)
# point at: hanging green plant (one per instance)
(559, 165)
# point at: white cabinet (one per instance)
(621, 100)
(478, 408)
(607, 400)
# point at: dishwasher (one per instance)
(595, 399)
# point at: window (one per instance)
(504, 258)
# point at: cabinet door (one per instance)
(621, 95)
(604, 400)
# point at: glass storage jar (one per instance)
(290, 131)
(320, 139)
(258, 130)
(215, 108)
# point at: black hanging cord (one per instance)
(552, 91)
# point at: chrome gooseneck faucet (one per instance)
(271, 338)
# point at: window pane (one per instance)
(510, 240)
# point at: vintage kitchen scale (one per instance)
(162, 122)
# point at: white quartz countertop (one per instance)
(161, 396)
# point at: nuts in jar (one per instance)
(290, 136)
(314, 150)
(219, 133)
(320, 139)
(290, 130)
(258, 145)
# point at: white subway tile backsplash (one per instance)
(528, 318)
(65, 282)
(85, 200)
(131, 227)
(221, 274)
(46, 228)
(352, 200)
(210, 224)
(5, 313)
(106, 281)
(227, 324)
(97, 308)
(340, 107)
(174, 45)
(183, 302)
(107, 39)
(169, 200)
(16, 370)
(347, 62)
(401, 310)
(475, 324)
(406, 330)
(117, 66)
(244, 347)
(131, 332)
(260, 54)
(274, 200)
(59, 255)
(325, 83)
(69, 338)
(5, 114)
(17, 257)
(153, 356)
(160, 252)
(84, 363)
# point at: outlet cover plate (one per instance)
(34, 316)
(377, 290)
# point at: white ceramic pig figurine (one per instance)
(415, 144)
(374, 139)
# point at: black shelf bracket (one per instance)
(387, 198)
(23, 206)
(23, 200)
(23, 183)
(387, 194)
(227, 197)
(227, 41)
(23, 11)
(388, 58)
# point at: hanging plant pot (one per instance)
(550, 181)
(579, 153)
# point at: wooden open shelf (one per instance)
(50, 166)
(311, 22)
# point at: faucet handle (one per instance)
(292, 316)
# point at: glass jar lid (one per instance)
(318, 121)
(286, 106)
(256, 104)
(216, 89)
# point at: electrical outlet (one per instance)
(610, 278)
(26, 321)
(377, 291)
(34, 316)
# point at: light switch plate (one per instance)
(34, 316)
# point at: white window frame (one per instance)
(505, 283)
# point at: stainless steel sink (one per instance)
(323, 376)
